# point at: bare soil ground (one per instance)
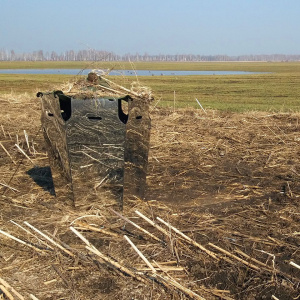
(230, 182)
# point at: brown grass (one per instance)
(228, 181)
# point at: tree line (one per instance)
(100, 55)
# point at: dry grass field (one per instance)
(228, 183)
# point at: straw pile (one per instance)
(221, 220)
(96, 86)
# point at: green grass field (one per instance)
(277, 90)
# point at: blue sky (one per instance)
(232, 27)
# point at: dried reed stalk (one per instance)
(27, 141)
(217, 293)
(85, 216)
(121, 87)
(137, 226)
(93, 249)
(191, 241)
(179, 287)
(7, 153)
(252, 259)
(115, 264)
(141, 255)
(152, 223)
(200, 105)
(8, 286)
(30, 233)
(248, 264)
(168, 280)
(294, 265)
(164, 269)
(49, 239)
(83, 226)
(6, 292)
(81, 237)
(19, 240)
(9, 187)
(4, 133)
(22, 151)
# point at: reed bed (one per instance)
(220, 219)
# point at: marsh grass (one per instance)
(277, 90)
(196, 66)
(20, 83)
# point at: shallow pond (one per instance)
(122, 72)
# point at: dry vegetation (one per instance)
(230, 182)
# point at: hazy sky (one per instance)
(231, 27)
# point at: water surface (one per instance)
(122, 72)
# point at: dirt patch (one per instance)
(228, 181)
